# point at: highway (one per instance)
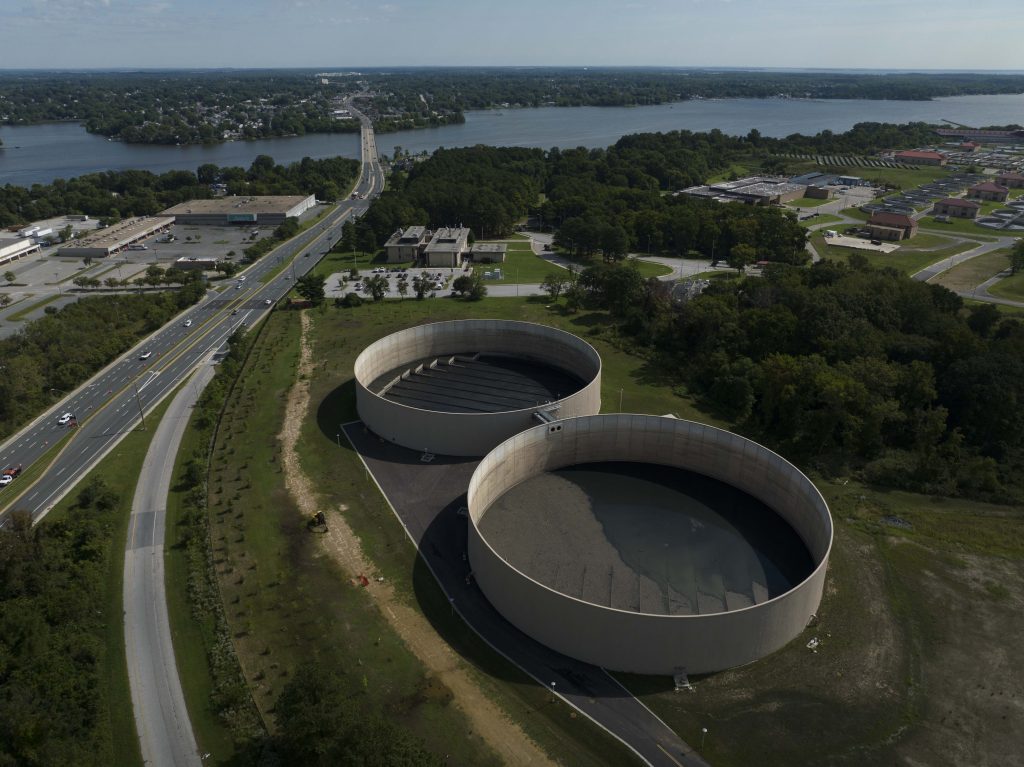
(107, 407)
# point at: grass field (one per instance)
(807, 202)
(1011, 287)
(904, 178)
(973, 272)
(120, 470)
(907, 260)
(822, 218)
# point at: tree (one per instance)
(348, 237)
(5, 300)
(462, 285)
(311, 287)
(740, 256)
(1017, 257)
(554, 284)
(287, 228)
(10, 276)
(378, 287)
(403, 289)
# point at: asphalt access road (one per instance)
(107, 407)
(161, 717)
(426, 498)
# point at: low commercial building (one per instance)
(891, 226)
(113, 239)
(988, 191)
(12, 250)
(755, 190)
(244, 211)
(819, 193)
(489, 252)
(1011, 180)
(447, 247)
(407, 245)
(956, 207)
(196, 264)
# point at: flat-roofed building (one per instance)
(988, 191)
(447, 247)
(882, 226)
(489, 252)
(196, 263)
(1011, 180)
(920, 157)
(755, 190)
(267, 210)
(113, 239)
(12, 250)
(956, 207)
(406, 245)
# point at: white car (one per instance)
(242, 278)
(145, 355)
(5, 480)
(268, 302)
(65, 419)
(187, 324)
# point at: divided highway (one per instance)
(108, 406)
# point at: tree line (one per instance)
(114, 195)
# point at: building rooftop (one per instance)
(897, 220)
(921, 154)
(1011, 176)
(988, 186)
(446, 238)
(490, 247)
(959, 202)
(236, 204)
(123, 231)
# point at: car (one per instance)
(187, 324)
(242, 278)
(268, 302)
(233, 313)
(239, 286)
(145, 355)
(65, 419)
(876, 242)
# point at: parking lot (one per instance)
(440, 280)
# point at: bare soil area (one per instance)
(343, 547)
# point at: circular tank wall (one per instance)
(468, 385)
(587, 625)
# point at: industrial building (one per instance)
(196, 263)
(461, 387)
(643, 576)
(225, 211)
(113, 239)
(447, 247)
(956, 207)
(755, 190)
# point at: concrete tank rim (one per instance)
(817, 572)
(589, 347)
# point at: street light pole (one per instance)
(138, 401)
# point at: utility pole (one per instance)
(138, 401)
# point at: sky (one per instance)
(331, 34)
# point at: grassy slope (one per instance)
(907, 260)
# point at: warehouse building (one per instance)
(243, 211)
(114, 239)
(891, 226)
(989, 192)
(920, 157)
(1011, 180)
(489, 252)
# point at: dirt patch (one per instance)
(341, 544)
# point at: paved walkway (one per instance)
(161, 717)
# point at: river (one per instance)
(40, 153)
